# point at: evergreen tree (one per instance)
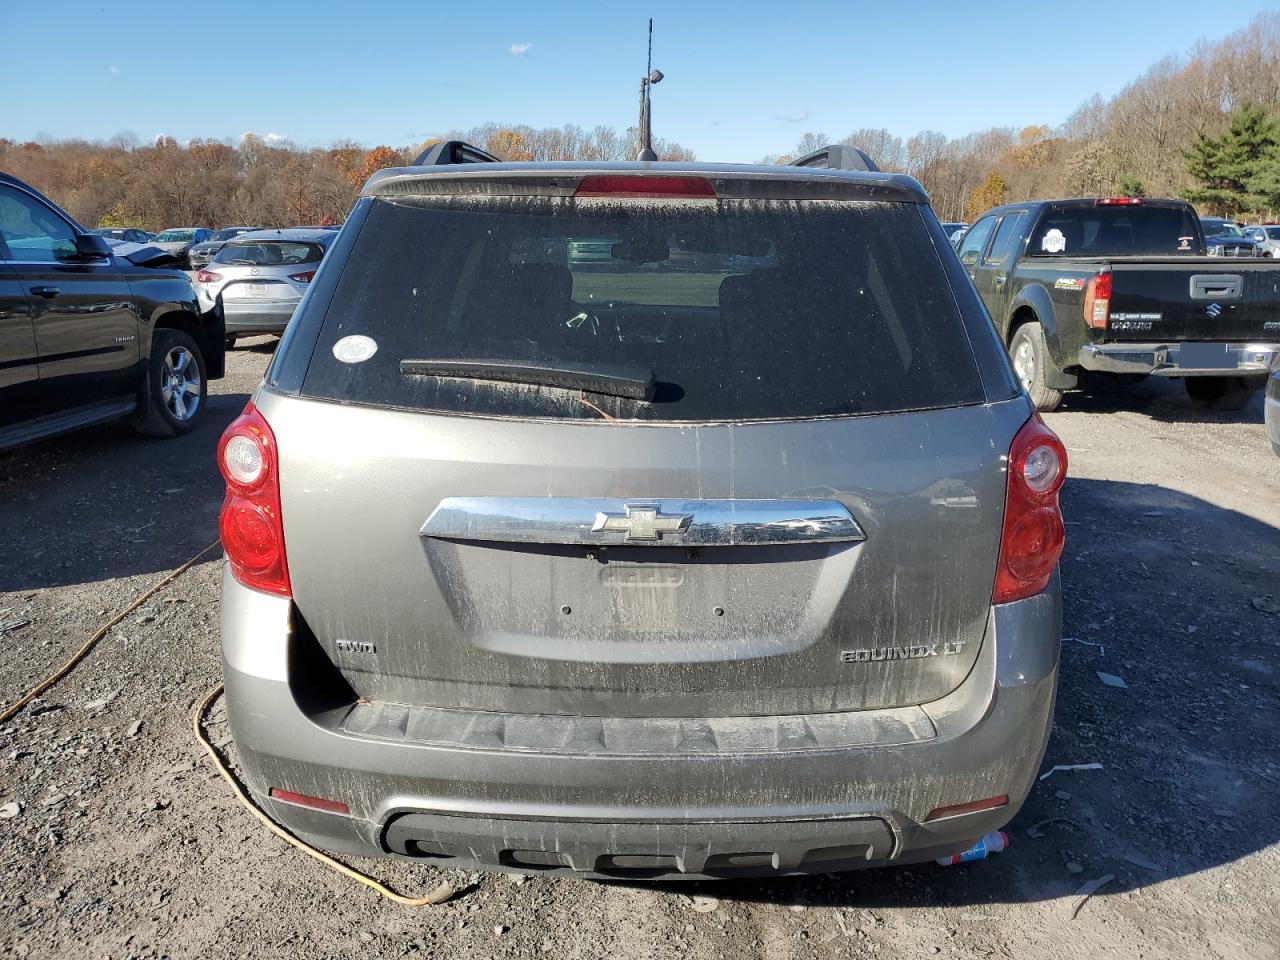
(1224, 165)
(1264, 184)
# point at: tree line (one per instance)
(257, 182)
(1204, 125)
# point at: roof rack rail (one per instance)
(453, 151)
(837, 156)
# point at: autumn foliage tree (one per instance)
(992, 192)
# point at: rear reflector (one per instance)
(624, 185)
(303, 800)
(974, 806)
(1118, 202)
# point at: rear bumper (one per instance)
(252, 316)
(700, 809)
(1169, 359)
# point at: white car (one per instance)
(260, 277)
(1266, 236)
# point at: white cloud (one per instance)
(114, 69)
(266, 137)
(799, 117)
(520, 49)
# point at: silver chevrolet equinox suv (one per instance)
(733, 552)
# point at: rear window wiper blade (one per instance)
(633, 383)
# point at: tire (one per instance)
(1030, 355)
(1221, 393)
(173, 398)
(231, 344)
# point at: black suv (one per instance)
(87, 336)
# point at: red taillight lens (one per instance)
(303, 277)
(628, 185)
(250, 526)
(1118, 202)
(1033, 535)
(207, 276)
(1097, 301)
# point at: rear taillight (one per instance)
(303, 277)
(1118, 202)
(1033, 535)
(250, 526)
(629, 185)
(207, 276)
(1097, 301)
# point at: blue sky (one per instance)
(742, 79)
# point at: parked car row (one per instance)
(201, 253)
(126, 234)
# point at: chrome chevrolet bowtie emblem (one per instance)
(641, 521)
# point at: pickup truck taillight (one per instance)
(250, 525)
(1097, 301)
(1033, 535)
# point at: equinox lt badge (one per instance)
(914, 652)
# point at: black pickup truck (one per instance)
(91, 333)
(1121, 285)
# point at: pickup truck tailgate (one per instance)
(1194, 298)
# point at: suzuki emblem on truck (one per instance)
(1213, 310)
(641, 521)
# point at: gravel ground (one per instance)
(126, 844)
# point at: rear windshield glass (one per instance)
(267, 253)
(740, 309)
(1120, 231)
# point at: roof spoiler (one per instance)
(453, 151)
(837, 156)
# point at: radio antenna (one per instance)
(651, 77)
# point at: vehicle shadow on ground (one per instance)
(263, 346)
(107, 502)
(1171, 586)
(1157, 397)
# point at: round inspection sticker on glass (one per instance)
(355, 349)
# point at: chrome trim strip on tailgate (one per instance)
(647, 522)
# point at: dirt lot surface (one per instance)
(125, 843)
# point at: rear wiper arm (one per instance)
(634, 383)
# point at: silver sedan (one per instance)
(259, 278)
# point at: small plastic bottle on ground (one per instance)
(991, 843)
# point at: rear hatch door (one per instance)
(803, 516)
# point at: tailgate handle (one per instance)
(641, 522)
(1216, 286)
